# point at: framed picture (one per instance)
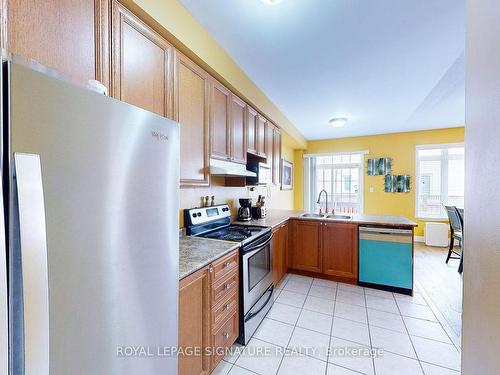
(286, 175)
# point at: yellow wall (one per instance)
(401, 148)
(172, 19)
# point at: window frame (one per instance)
(444, 173)
(308, 199)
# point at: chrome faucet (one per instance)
(319, 200)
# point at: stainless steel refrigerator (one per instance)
(90, 203)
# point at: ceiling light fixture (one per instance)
(338, 122)
(271, 2)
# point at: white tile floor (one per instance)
(319, 327)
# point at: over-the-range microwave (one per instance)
(263, 172)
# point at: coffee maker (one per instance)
(244, 212)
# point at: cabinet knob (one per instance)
(226, 265)
(226, 306)
(226, 335)
(211, 269)
(227, 286)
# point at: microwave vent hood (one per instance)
(228, 169)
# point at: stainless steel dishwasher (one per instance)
(386, 258)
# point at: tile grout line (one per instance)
(435, 311)
(294, 327)
(409, 336)
(331, 330)
(369, 334)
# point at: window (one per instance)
(341, 175)
(440, 179)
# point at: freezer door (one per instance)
(108, 175)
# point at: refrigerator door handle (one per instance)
(33, 246)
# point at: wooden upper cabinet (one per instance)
(261, 136)
(141, 65)
(192, 88)
(306, 246)
(269, 146)
(251, 130)
(194, 322)
(238, 130)
(59, 34)
(220, 108)
(276, 156)
(340, 250)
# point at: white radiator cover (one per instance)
(436, 234)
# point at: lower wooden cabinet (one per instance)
(340, 250)
(209, 314)
(280, 250)
(194, 322)
(305, 252)
(327, 248)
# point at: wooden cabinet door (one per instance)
(220, 122)
(306, 246)
(194, 322)
(238, 130)
(277, 157)
(261, 136)
(269, 147)
(280, 248)
(340, 250)
(141, 65)
(251, 130)
(59, 34)
(192, 101)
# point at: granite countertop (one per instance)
(196, 253)
(277, 217)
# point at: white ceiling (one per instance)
(387, 65)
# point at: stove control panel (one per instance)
(203, 215)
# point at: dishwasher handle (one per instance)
(386, 231)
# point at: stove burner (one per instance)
(233, 233)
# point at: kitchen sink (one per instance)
(339, 217)
(319, 216)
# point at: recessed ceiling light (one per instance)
(271, 2)
(338, 122)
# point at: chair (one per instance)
(456, 228)
(461, 265)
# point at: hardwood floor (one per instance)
(440, 282)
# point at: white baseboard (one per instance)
(419, 238)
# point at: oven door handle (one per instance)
(258, 245)
(252, 314)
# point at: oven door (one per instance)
(257, 270)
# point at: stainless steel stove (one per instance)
(256, 271)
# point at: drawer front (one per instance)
(224, 338)
(221, 312)
(224, 266)
(224, 288)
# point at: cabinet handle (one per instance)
(211, 269)
(227, 286)
(226, 306)
(227, 264)
(226, 335)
